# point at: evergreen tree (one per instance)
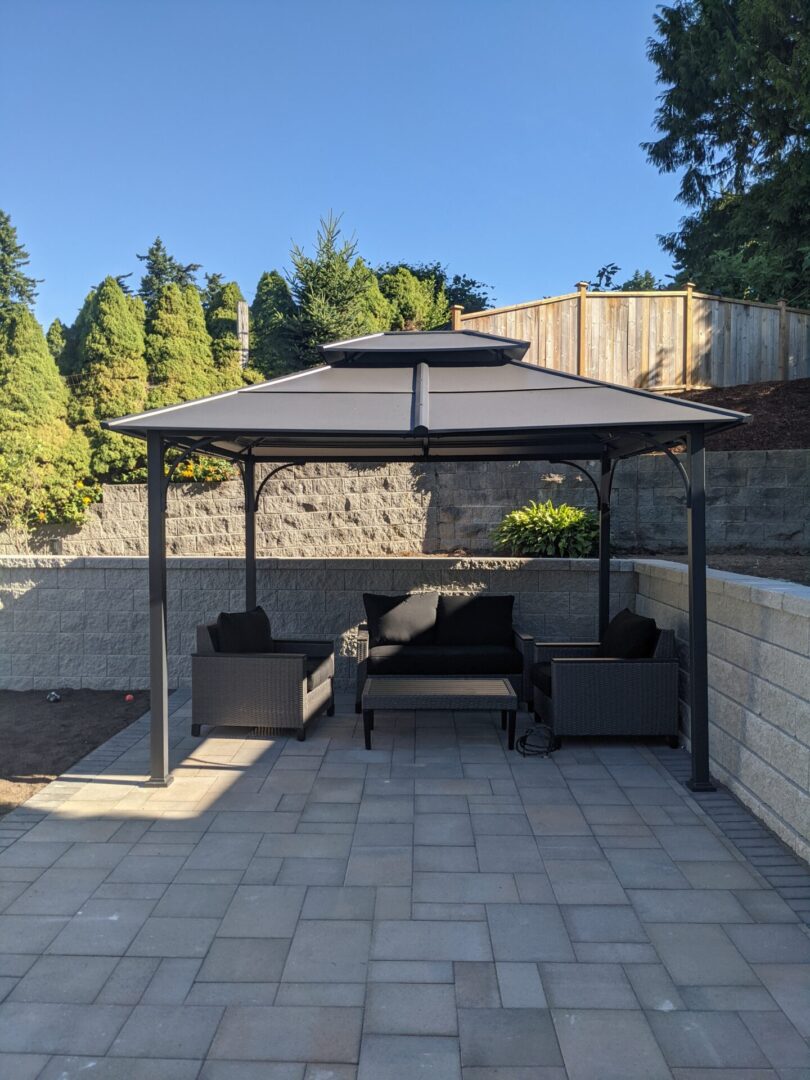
(639, 280)
(336, 295)
(461, 289)
(16, 287)
(415, 304)
(734, 122)
(178, 348)
(163, 269)
(44, 464)
(271, 314)
(210, 291)
(111, 379)
(220, 319)
(57, 340)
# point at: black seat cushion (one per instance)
(319, 669)
(474, 620)
(244, 632)
(401, 620)
(448, 660)
(541, 677)
(629, 637)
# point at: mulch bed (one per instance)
(40, 739)
(780, 415)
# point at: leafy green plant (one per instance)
(546, 530)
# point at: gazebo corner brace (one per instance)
(252, 497)
(603, 488)
(159, 774)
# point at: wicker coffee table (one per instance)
(460, 692)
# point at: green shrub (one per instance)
(547, 530)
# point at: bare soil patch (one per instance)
(781, 567)
(780, 415)
(41, 739)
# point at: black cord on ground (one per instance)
(538, 741)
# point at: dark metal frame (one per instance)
(693, 475)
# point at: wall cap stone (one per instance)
(788, 596)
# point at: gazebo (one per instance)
(436, 396)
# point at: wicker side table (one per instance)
(458, 692)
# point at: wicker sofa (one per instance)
(590, 689)
(278, 691)
(443, 635)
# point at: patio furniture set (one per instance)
(431, 651)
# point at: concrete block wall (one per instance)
(759, 686)
(758, 499)
(83, 621)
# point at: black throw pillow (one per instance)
(401, 620)
(629, 637)
(244, 631)
(474, 620)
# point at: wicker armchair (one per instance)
(277, 691)
(577, 692)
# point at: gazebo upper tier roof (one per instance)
(435, 395)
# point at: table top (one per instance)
(459, 690)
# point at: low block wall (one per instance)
(758, 499)
(759, 686)
(83, 622)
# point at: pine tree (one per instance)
(178, 349)
(16, 287)
(163, 269)
(271, 313)
(44, 464)
(211, 289)
(111, 381)
(220, 319)
(416, 304)
(336, 295)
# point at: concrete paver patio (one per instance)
(434, 908)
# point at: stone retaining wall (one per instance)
(759, 686)
(758, 500)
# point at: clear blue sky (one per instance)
(500, 137)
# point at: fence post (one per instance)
(784, 342)
(243, 332)
(687, 336)
(455, 316)
(582, 288)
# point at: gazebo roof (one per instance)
(435, 395)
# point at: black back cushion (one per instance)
(474, 620)
(401, 620)
(629, 637)
(244, 631)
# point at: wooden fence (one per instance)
(664, 341)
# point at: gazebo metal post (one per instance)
(158, 663)
(605, 484)
(249, 480)
(698, 641)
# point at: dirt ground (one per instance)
(782, 567)
(780, 415)
(40, 739)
